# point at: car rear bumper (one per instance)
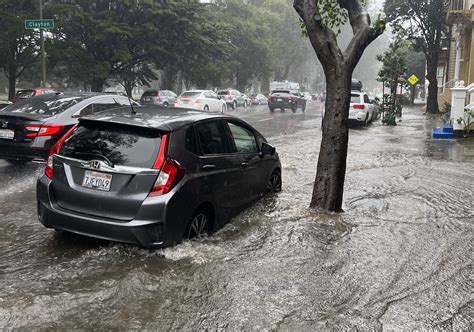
(148, 232)
(281, 104)
(357, 116)
(15, 150)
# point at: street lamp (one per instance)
(43, 58)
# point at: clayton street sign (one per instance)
(39, 24)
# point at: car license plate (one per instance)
(279, 99)
(7, 133)
(96, 180)
(147, 99)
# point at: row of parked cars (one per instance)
(149, 175)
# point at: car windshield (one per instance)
(117, 144)
(44, 105)
(190, 94)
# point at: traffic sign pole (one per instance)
(43, 58)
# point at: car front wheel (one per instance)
(274, 183)
(234, 105)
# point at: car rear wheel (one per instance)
(304, 107)
(293, 109)
(165, 104)
(234, 105)
(272, 109)
(274, 183)
(198, 226)
(366, 123)
(206, 108)
(224, 108)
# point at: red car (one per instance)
(28, 93)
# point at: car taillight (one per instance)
(157, 96)
(197, 101)
(290, 98)
(43, 130)
(358, 106)
(171, 172)
(48, 170)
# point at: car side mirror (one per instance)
(267, 149)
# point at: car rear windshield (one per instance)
(23, 94)
(280, 91)
(355, 98)
(190, 94)
(43, 105)
(222, 92)
(117, 144)
(149, 93)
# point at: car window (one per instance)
(122, 145)
(213, 95)
(190, 141)
(366, 99)
(44, 105)
(236, 93)
(213, 138)
(149, 93)
(355, 98)
(190, 94)
(244, 138)
(207, 94)
(97, 106)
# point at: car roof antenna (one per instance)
(131, 105)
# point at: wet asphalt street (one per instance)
(400, 257)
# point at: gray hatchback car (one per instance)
(154, 178)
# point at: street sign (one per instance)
(413, 79)
(39, 24)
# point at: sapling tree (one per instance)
(321, 20)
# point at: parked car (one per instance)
(307, 96)
(361, 109)
(283, 99)
(259, 99)
(154, 178)
(233, 98)
(201, 100)
(4, 104)
(28, 93)
(164, 98)
(30, 127)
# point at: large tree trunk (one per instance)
(97, 84)
(265, 86)
(432, 99)
(329, 184)
(11, 87)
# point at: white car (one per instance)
(361, 109)
(202, 100)
(307, 96)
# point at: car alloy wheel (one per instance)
(274, 183)
(165, 104)
(206, 108)
(199, 226)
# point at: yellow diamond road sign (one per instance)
(413, 79)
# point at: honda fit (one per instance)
(154, 178)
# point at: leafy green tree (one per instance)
(319, 18)
(423, 22)
(393, 74)
(97, 40)
(18, 47)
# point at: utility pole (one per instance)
(43, 57)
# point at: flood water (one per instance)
(400, 257)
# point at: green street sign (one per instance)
(39, 24)
(413, 79)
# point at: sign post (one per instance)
(413, 79)
(41, 24)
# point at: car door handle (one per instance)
(244, 164)
(208, 166)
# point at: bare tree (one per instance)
(318, 19)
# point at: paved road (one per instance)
(400, 257)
